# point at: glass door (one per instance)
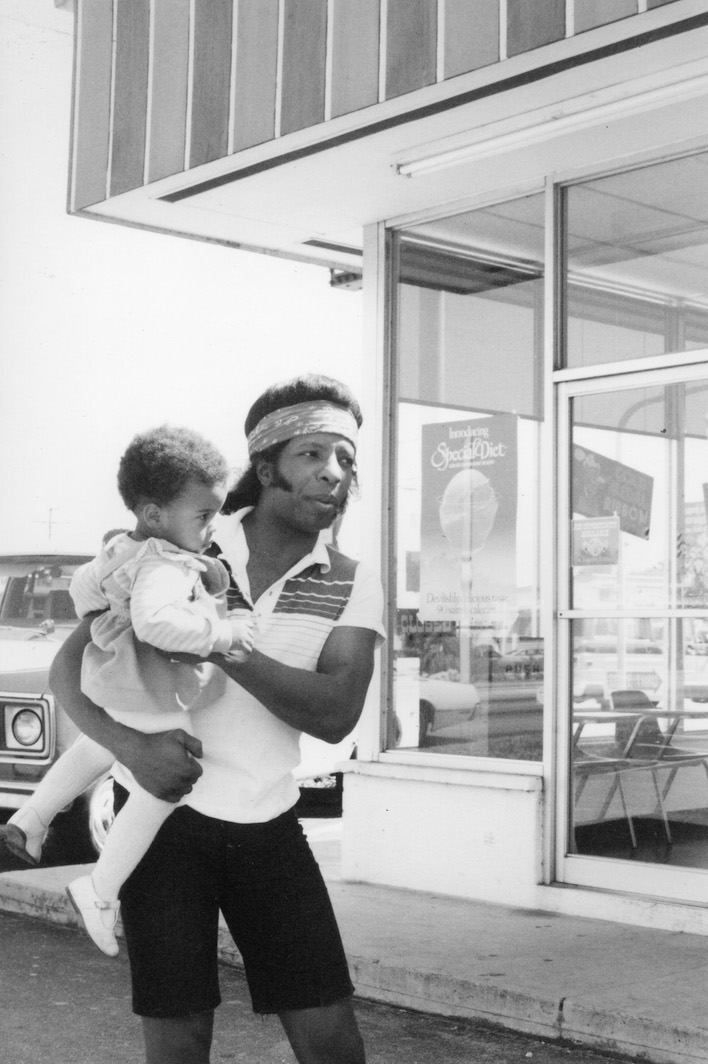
(633, 631)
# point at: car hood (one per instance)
(445, 693)
(318, 758)
(24, 664)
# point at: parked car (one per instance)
(599, 668)
(36, 616)
(436, 709)
(444, 704)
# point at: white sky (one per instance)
(106, 330)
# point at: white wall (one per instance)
(474, 835)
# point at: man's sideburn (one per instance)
(279, 480)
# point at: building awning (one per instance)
(262, 125)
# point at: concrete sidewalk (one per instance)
(631, 990)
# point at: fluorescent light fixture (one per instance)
(537, 126)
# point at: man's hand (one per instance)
(165, 763)
(242, 634)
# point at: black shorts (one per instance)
(267, 884)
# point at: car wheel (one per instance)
(71, 838)
(425, 724)
(100, 814)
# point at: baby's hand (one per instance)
(242, 634)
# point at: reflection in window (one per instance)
(631, 449)
(468, 337)
(637, 263)
(640, 684)
(636, 282)
(640, 739)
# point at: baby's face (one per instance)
(188, 521)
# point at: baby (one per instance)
(158, 593)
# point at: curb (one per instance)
(567, 1021)
(634, 1036)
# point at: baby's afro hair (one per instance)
(158, 464)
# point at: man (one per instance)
(235, 844)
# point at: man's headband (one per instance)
(303, 419)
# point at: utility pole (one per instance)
(50, 523)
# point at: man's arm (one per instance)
(326, 703)
(164, 763)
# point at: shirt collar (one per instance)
(319, 555)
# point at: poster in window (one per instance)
(603, 487)
(468, 521)
(595, 541)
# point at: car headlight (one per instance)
(27, 731)
(27, 727)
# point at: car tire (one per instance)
(425, 724)
(77, 835)
(99, 812)
(323, 801)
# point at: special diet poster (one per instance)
(468, 521)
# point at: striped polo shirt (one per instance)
(293, 624)
(249, 754)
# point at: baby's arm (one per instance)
(85, 588)
(165, 614)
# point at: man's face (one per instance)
(311, 480)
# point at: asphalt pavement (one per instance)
(63, 1002)
(613, 988)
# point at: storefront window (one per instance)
(467, 353)
(635, 283)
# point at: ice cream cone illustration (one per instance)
(468, 510)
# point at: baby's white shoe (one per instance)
(99, 916)
(24, 835)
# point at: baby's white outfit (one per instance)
(159, 598)
(156, 597)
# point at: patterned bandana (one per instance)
(303, 419)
